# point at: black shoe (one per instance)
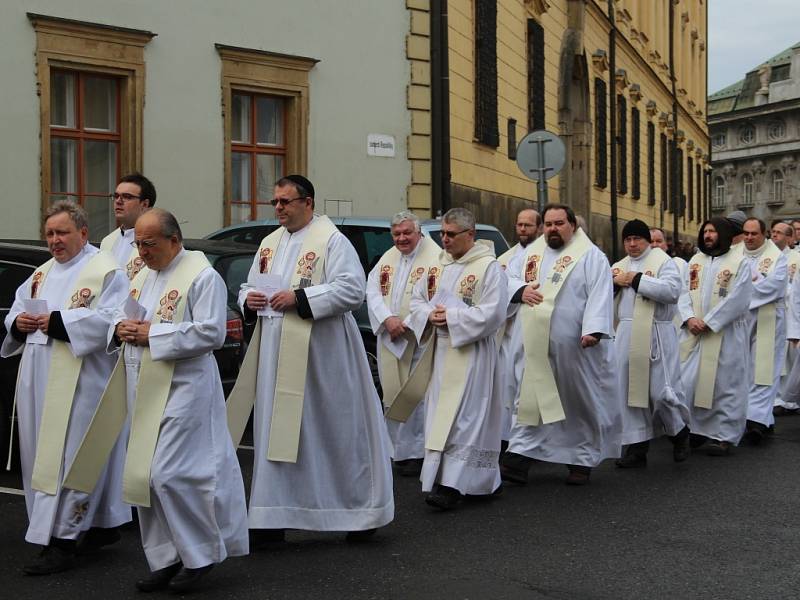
(632, 461)
(158, 580)
(57, 557)
(780, 411)
(357, 537)
(261, 539)
(443, 497)
(696, 440)
(96, 538)
(754, 432)
(717, 448)
(409, 468)
(578, 475)
(681, 448)
(514, 468)
(186, 579)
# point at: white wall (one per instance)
(357, 88)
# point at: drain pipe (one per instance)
(440, 110)
(612, 107)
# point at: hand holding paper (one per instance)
(34, 308)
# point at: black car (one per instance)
(19, 260)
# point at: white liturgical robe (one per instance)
(591, 431)
(66, 514)
(342, 479)
(408, 439)
(768, 289)
(122, 248)
(469, 460)
(725, 420)
(198, 512)
(667, 413)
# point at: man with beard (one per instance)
(460, 304)
(768, 269)
(782, 235)
(649, 285)
(389, 288)
(714, 340)
(568, 410)
(511, 358)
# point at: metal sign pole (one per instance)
(541, 186)
(539, 165)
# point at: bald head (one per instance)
(527, 227)
(158, 237)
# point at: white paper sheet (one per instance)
(396, 346)
(36, 306)
(268, 284)
(133, 310)
(447, 299)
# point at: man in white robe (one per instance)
(336, 474)
(769, 272)
(511, 356)
(134, 195)
(58, 519)
(580, 354)
(389, 288)
(648, 278)
(782, 235)
(462, 304)
(197, 514)
(716, 301)
(659, 240)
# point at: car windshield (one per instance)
(234, 270)
(494, 236)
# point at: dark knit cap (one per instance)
(303, 182)
(638, 228)
(737, 219)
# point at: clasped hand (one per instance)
(28, 323)
(136, 333)
(531, 294)
(624, 279)
(280, 301)
(438, 316)
(696, 326)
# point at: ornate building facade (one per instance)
(755, 141)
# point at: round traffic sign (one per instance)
(541, 152)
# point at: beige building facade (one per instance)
(513, 66)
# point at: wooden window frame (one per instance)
(94, 49)
(267, 74)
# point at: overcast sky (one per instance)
(744, 33)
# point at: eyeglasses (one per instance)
(452, 234)
(283, 201)
(144, 244)
(125, 196)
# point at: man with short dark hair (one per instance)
(62, 375)
(714, 308)
(134, 195)
(321, 459)
(768, 269)
(648, 286)
(568, 410)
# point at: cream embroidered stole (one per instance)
(290, 384)
(709, 342)
(394, 371)
(767, 321)
(641, 330)
(63, 373)
(541, 403)
(152, 394)
(456, 360)
(504, 259)
(135, 263)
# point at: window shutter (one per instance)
(601, 140)
(486, 127)
(536, 96)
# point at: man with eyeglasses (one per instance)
(321, 459)
(181, 469)
(135, 194)
(511, 357)
(456, 310)
(62, 375)
(389, 288)
(568, 410)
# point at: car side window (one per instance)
(12, 275)
(376, 243)
(234, 270)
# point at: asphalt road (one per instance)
(709, 528)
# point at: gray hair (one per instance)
(76, 213)
(406, 215)
(461, 217)
(168, 222)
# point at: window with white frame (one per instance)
(747, 135)
(719, 192)
(747, 189)
(776, 194)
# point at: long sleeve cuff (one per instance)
(635, 283)
(303, 307)
(250, 316)
(517, 297)
(17, 334)
(56, 329)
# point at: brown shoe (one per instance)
(578, 475)
(717, 448)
